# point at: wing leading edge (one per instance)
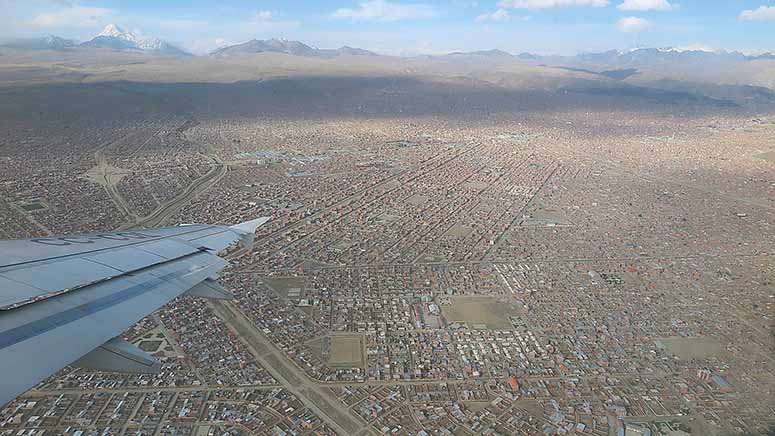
(69, 303)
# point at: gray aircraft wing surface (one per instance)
(66, 300)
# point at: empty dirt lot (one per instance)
(346, 351)
(488, 311)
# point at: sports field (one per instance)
(769, 156)
(346, 351)
(486, 311)
(693, 348)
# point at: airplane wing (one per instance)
(66, 300)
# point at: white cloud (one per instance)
(181, 24)
(633, 25)
(79, 16)
(646, 5)
(264, 15)
(551, 4)
(764, 13)
(206, 45)
(386, 12)
(500, 15)
(266, 22)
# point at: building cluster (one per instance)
(233, 412)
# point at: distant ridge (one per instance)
(528, 56)
(652, 55)
(113, 37)
(48, 42)
(493, 54)
(351, 51)
(640, 55)
(294, 48)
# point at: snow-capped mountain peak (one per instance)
(114, 31)
(135, 40)
(144, 43)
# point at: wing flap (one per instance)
(118, 355)
(51, 278)
(211, 290)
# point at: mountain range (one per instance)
(294, 48)
(48, 42)
(492, 54)
(648, 56)
(653, 55)
(660, 73)
(115, 38)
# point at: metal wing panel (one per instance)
(213, 238)
(219, 238)
(216, 238)
(59, 275)
(12, 292)
(177, 231)
(38, 339)
(217, 242)
(127, 259)
(168, 248)
(40, 249)
(63, 274)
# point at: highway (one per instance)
(318, 398)
(170, 208)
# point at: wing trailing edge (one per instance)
(248, 230)
(210, 289)
(250, 226)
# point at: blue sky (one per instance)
(411, 27)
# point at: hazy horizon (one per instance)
(420, 27)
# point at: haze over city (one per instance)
(387, 217)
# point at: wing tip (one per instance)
(250, 226)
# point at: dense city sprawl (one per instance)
(585, 272)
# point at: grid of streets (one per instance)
(563, 274)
